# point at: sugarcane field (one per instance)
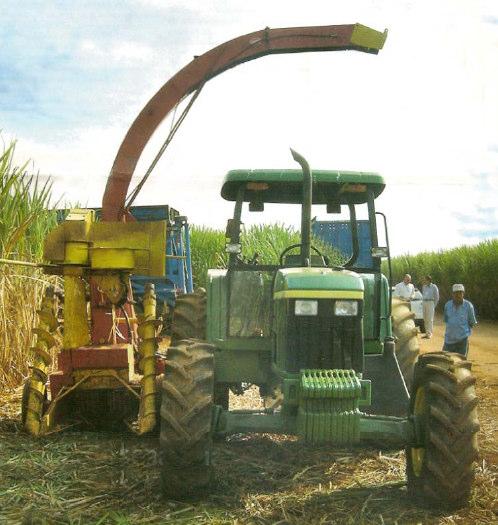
(248, 263)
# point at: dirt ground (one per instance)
(110, 478)
(483, 348)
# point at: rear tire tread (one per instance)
(189, 317)
(406, 341)
(450, 425)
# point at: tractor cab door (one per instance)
(239, 324)
(249, 303)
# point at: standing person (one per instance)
(404, 289)
(430, 298)
(459, 317)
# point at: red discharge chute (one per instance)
(207, 66)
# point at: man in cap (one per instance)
(430, 296)
(404, 289)
(459, 317)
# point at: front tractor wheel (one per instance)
(186, 405)
(440, 471)
(189, 322)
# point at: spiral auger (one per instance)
(147, 349)
(45, 341)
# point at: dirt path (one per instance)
(483, 348)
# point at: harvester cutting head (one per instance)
(98, 375)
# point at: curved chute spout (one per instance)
(203, 68)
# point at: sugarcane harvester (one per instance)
(317, 339)
(106, 367)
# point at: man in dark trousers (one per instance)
(459, 317)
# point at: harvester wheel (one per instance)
(440, 472)
(186, 406)
(406, 342)
(189, 317)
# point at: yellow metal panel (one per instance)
(146, 239)
(111, 259)
(76, 253)
(81, 214)
(54, 249)
(76, 332)
(318, 294)
(366, 37)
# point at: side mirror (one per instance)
(380, 252)
(333, 207)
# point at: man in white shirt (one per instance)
(405, 289)
(430, 294)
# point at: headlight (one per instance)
(306, 307)
(346, 308)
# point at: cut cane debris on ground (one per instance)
(110, 478)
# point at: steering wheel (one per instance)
(289, 248)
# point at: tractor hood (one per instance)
(318, 283)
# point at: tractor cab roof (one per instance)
(286, 186)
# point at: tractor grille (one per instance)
(324, 340)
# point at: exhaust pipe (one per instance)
(306, 208)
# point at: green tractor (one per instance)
(318, 341)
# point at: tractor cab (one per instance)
(301, 311)
(333, 189)
(308, 273)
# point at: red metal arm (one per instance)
(207, 66)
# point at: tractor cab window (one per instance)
(250, 303)
(353, 247)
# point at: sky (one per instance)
(423, 112)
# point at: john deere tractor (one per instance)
(318, 341)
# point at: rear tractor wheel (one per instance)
(189, 317)
(440, 471)
(421, 325)
(186, 406)
(405, 336)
